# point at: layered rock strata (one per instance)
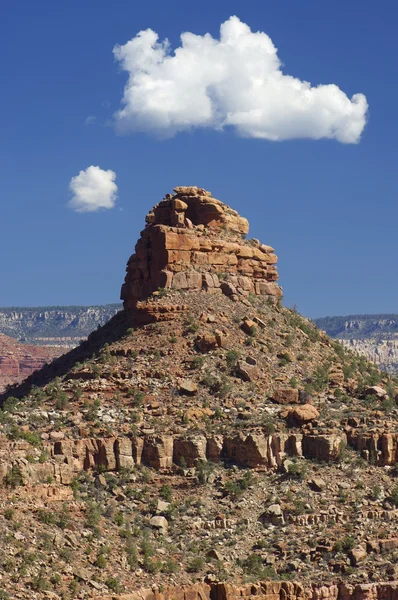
(18, 360)
(194, 242)
(69, 457)
(269, 590)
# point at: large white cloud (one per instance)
(235, 81)
(93, 189)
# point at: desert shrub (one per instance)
(375, 492)
(349, 370)
(15, 433)
(191, 326)
(47, 517)
(170, 567)
(394, 495)
(297, 470)
(40, 583)
(204, 469)
(162, 292)
(254, 565)
(151, 565)
(137, 397)
(232, 358)
(119, 519)
(195, 565)
(236, 488)
(9, 514)
(344, 545)
(289, 341)
(284, 359)
(268, 427)
(10, 404)
(93, 515)
(387, 405)
(61, 401)
(132, 555)
(146, 547)
(320, 378)
(13, 477)
(114, 584)
(165, 492)
(197, 362)
(100, 561)
(217, 386)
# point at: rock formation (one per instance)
(17, 360)
(194, 242)
(204, 444)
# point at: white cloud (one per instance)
(93, 189)
(235, 81)
(90, 120)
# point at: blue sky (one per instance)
(329, 208)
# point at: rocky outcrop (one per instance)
(193, 241)
(377, 447)
(266, 590)
(68, 457)
(275, 590)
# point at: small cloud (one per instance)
(90, 120)
(235, 81)
(93, 189)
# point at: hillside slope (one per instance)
(204, 435)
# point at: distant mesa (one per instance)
(194, 242)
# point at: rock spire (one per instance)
(194, 242)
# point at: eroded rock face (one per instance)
(68, 457)
(18, 360)
(193, 241)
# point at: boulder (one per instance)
(286, 395)
(357, 555)
(376, 390)
(188, 387)
(160, 523)
(317, 484)
(207, 342)
(273, 515)
(246, 372)
(302, 414)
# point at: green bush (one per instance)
(93, 515)
(232, 358)
(114, 584)
(253, 565)
(297, 470)
(165, 492)
(195, 565)
(13, 478)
